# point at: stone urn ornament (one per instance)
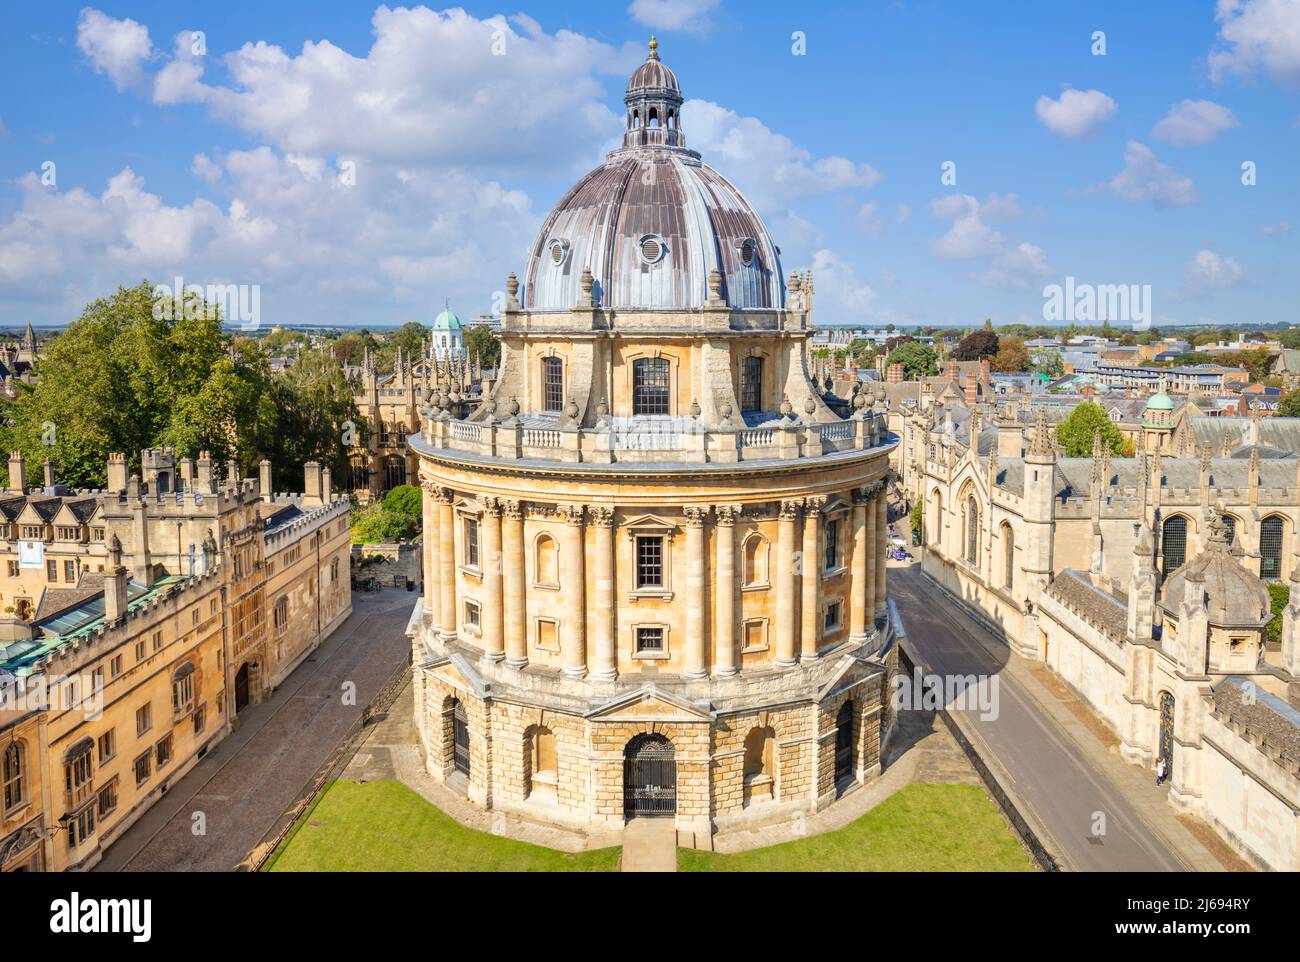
(512, 406)
(571, 409)
(787, 409)
(695, 409)
(809, 406)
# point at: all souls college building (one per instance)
(657, 582)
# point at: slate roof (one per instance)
(1261, 718)
(1283, 433)
(1099, 608)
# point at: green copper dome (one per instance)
(1160, 401)
(446, 321)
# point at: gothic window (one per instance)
(552, 384)
(650, 380)
(1008, 556)
(972, 530)
(751, 384)
(1270, 547)
(1174, 544)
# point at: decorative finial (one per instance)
(654, 48)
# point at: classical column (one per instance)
(785, 599)
(494, 642)
(447, 563)
(812, 577)
(874, 561)
(882, 525)
(432, 549)
(724, 603)
(695, 518)
(573, 642)
(858, 575)
(516, 625)
(605, 667)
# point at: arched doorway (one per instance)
(1167, 730)
(459, 739)
(844, 743)
(241, 688)
(649, 777)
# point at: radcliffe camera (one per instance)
(654, 437)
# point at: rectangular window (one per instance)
(107, 745)
(200, 719)
(832, 616)
(69, 571)
(115, 666)
(755, 636)
(552, 384)
(108, 798)
(52, 570)
(649, 561)
(81, 826)
(183, 694)
(548, 638)
(157, 637)
(143, 718)
(832, 544)
(13, 569)
(650, 385)
(143, 768)
(751, 385)
(649, 640)
(77, 772)
(163, 750)
(471, 615)
(139, 651)
(471, 543)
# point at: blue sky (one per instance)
(224, 167)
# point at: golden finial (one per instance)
(654, 48)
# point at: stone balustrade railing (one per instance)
(677, 441)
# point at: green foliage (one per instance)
(917, 359)
(1075, 433)
(374, 524)
(1048, 362)
(121, 379)
(1289, 405)
(410, 339)
(482, 344)
(406, 499)
(916, 519)
(1279, 595)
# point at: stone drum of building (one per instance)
(654, 554)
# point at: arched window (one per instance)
(1173, 543)
(1230, 523)
(546, 561)
(933, 519)
(759, 749)
(394, 472)
(972, 530)
(552, 384)
(543, 770)
(755, 560)
(654, 117)
(1270, 547)
(360, 477)
(1008, 556)
(751, 384)
(14, 776)
(650, 381)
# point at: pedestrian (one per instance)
(1161, 769)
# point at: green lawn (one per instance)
(923, 828)
(385, 827)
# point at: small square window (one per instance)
(548, 635)
(650, 640)
(833, 615)
(472, 612)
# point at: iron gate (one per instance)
(1167, 730)
(460, 739)
(844, 742)
(649, 777)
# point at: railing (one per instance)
(465, 431)
(541, 438)
(758, 438)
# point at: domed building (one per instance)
(655, 555)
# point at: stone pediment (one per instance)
(650, 704)
(457, 671)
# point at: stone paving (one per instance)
(650, 845)
(245, 785)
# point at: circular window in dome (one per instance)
(747, 248)
(652, 248)
(559, 251)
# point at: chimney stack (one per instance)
(264, 480)
(115, 584)
(895, 373)
(116, 473)
(204, 476)
(17, 473)
(311, 491)
(232, 473)
(187, 474)
(326, 487)
(140, 560)
(48, 471)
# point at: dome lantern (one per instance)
(654, 105)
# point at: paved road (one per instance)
(1049, 769)
(250, 779)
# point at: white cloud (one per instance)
(1254, 35)
(116, 48)
(1211, 271)
(1076, 113)
(903, 214)
(972, 236)
(1281, 229)
(1146, 178)
(1191, 123)
(770, 168)
(673, 14)
(868, 218)
(839, 294)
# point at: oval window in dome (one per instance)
(747, 252)
(559, 251)
(652, 249)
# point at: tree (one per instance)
(1289, 404)
(916, 518)
(481, 343)
(893, 342)
(1012, 356)
(1075, 433)
(917, 359)
(406, 499)
(373, 524)
(975, 346)
(410, 340)
(1048, 363)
